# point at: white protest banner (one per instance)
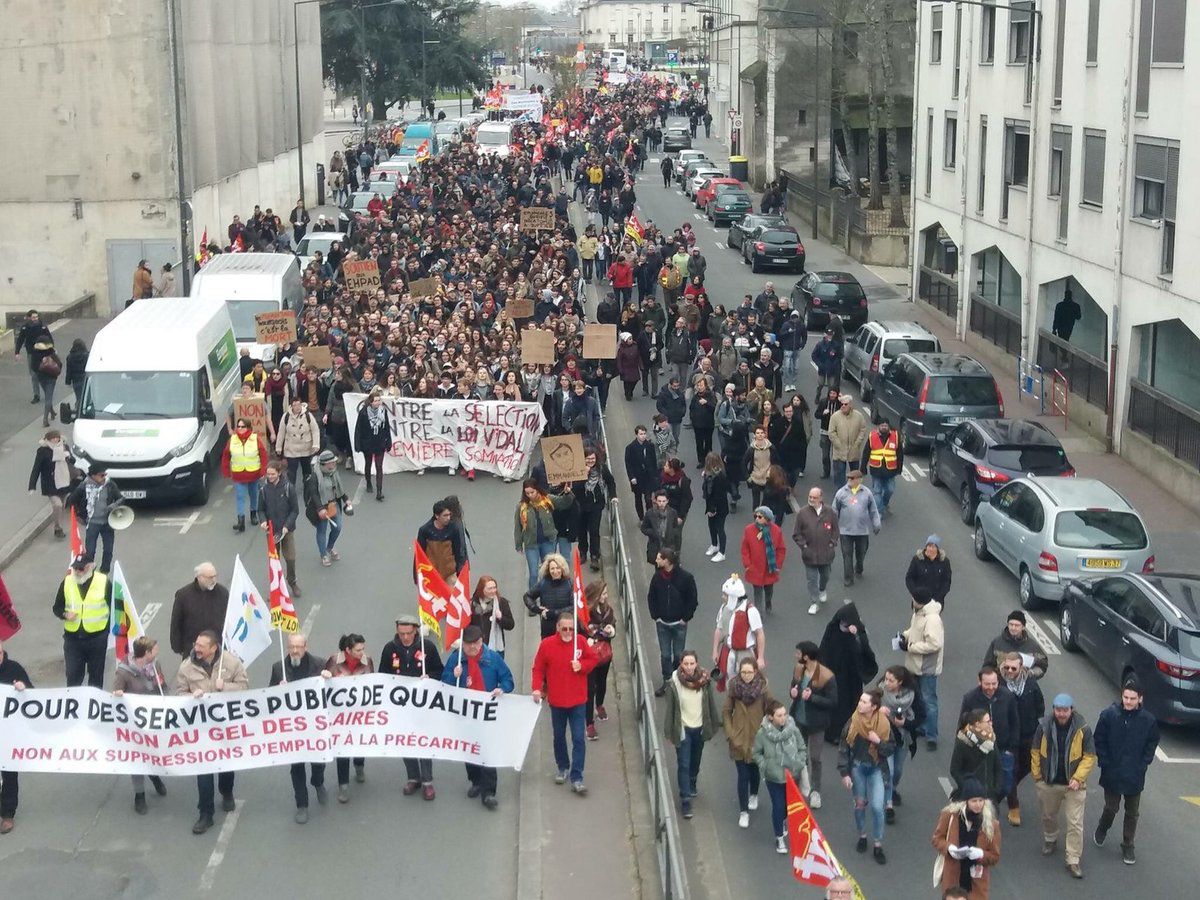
(524, 101)
(492, 436)
(89, 731)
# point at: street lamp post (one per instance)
(185, 249)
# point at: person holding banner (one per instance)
(560, 673)
(140, 673)
(350, 660)
(298, 665)
(14, 674)
(485, 670)
(209, 670)
(84, 603)
(413, 658)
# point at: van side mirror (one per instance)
(207, 414)
(65, 415)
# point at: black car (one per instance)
(738, 229)
(1146, 625)
(773, 247)
(977, 458)
(676, 138)
(818, 295)
(727, 206)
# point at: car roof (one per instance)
(830, 275)
(948, 364)
(1180, 590)
(1079, 493)
(897, 328)
(1016, 431)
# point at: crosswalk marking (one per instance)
(719, 245)
(1042, 637)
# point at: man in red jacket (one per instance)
(560, 673)
(620, 276)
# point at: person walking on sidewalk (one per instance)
(479, 668)
(858, 518)
(672, 601)
(763, 554)
(298, 665)
(667, 167)
(814, 695)
(1126, 738)
(745, 707)
(560, 675)
(779, 749)
(32, 332)
(1063, 756)
(816, 534)
(689, 722)
(279, 506)
(351, 660)
(51, 472)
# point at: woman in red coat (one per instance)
(620, 276)
(763, 554)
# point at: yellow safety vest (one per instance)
(243, 455)
(883, 454)
(92, 608)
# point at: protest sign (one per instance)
(89, 731)
(423, 287)
(563, 456)
(537, 347)
(361, 275)
(489, 435)
(600, 342)
(537, 218)
(520, 307)
(321, 358)
(253, 408)
(275, 327)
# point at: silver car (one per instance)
(1049, 531)
(871, 349)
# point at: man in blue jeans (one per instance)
(560, 674)
(672, 601)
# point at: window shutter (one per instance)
(1150, 161)
(1093, 168)
(1172, 187)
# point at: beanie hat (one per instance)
(1064, 701)
(972, 787)
(933, 539)
(1016, 616)
(765, 512)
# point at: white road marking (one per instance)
(1042, 637)
(946, 783)
(218, 854)
(907, 475)
(359, 492)
(54, 326)
(306, 628)
(183, 523)
(719, 245)
(697, 215)
(148, 612)
(919, 470)
(1162, 757)
(229, 488)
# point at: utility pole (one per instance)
(185, 249)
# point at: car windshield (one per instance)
(139, 395)
(1040, 459)
(780, 237)
(308, 245)
(242, 313)
(360, 201)
(446, 128)
(950, 390)
(893, 347)
(1099, 529)
(733, 198)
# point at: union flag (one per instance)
(458, 609)
(433, 595)
(283, 611)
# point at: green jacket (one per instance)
(673, 720)
(777, 749)
(526, 536)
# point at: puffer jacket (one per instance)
(929, 579)
(926, 640)
(779, 750)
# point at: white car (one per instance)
(686, 158)
(316, 241)
(703, 173)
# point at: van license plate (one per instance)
(1102, 564)
(134, 495)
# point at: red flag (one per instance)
(10, 622)
(283, 611)
(635, 229)
(537, 152)
(76, 541)
(202, 254)
(458, 611)
(582, 613)
(433, 595)
(812, 860)
(239, 245)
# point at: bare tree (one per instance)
(840, 54)
(885, 27)
(874, 76)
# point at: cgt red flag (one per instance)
(458, 610)
(10, 622)
(812, 860)
(433, 594)
(582, 614)
(283, 611)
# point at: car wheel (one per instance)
(935, 477)
(980, 543)
(754, 266)
(1025, 593)
(1066, 629)
(865, 389)
(967, 504)
(903, 437)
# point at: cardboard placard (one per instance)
(599, 341)
(537, 347)
(520, 307)
(321, 358)
(253, 408)
(563, 456)
(423, 287)
(275, 327)
(361, 275)
(537, 218)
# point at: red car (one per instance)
(715, 186)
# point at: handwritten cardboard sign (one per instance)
(423, 287)
(537, 218)
(253, 409)
(520, 307)
(361, 275)
(275, 327)
(600, 341)
(563, 456)
(321, 358)
(537, 347)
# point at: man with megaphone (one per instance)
(94, 500)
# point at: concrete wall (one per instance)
(89, 135)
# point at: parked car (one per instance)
(676, 137)
(1047, 531)
(697, 173)
(977, 458)
(774, 247)
(872, 348)
(819, 295)
(925, 394)
(728, 205)
(739, 228)
(685, 158)
(1143, 625)
(718, 184)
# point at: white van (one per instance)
(250, 283)
(494, 138)
(160, 379)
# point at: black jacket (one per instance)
(366, 439)
(76, 365)
(704, 415)
(1031, 709)
(42, 474)
(715, 489)
(278, 504)
(641, 464)
(396, 659)
(679, 495)
(196, 610)
(12, 671)
(672, 598)
(928, 579)
(1125, 743)
(1006, 721)
(310, 666)
(852, 661)
(587, 500)
(671, 404)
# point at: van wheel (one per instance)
(980, 543)
(203, 486)
(1029, 600)
(1066, 629)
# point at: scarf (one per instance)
(91, 493)
(475, 680)
(902, 699)
(764, 535)
(699, 678)
(861, 726)
(542, 503)
(1018, 686)
(62, 472)
(980, 736)
(748, 693)
(375, 417)
(670, 476)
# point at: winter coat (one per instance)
(704, 415)
(527, 536)
(278, 504)
(282, 671)
(661, 530)
(192, 676)
(790, 440)
(1031, 708)
(76, 366)
(552, 594)
(948, 831)
(793, 335)
(819, 705)
(1002, 707)
(857, 511)
(679, 494)
(928, 579)
(672, 597)
(779, 750)
(629, 362)
(852, 662)
(366, 439)
(969, 760)
(754, 555)
(298, 437)
(446, 548)
(847, 436)
(1004, 643)
(552, 673)
(247, 476)
(926, 639)
(641, 463)
(860, 751)
(129, 679)
(716, 494)
(671, 404)
(681, 347)
(742, 721)
(758, 460)
(1125, 744)
(110, 496)
(42, 473)
(484, 617)
(673, 720)
(196, 610)
(827, 355)
(816, 534)
(590, 499)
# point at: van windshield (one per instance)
(242, 313)
(139, 395)
(491, 138)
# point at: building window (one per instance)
(957, 47)
(1161, 28)
(987, 33)
(666, 30)
(981, 189)
(802, 117)
(1093, 31)
(1093, 168)
(935, 35)
(1016, 160)
(850, 44)
(928, 152)
(1149, 178)
(1060, 48)
(1018, 31)
(950, 142)
(1060, 175)
(1056, 172)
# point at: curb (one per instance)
(15, 545)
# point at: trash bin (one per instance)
(739, 168)
(320, 184)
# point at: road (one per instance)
(726, 861)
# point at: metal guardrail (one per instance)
(1165, 421)
(657, 770)
(998, 325)
(1087, 374)
(1031, 381)
(938, 290)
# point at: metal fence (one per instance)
(1087, 375)
(938, 290)
(1165, 421)
(998, 325)
(657, 770)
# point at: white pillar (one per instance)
(772, 65)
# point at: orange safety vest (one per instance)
(883, 453)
